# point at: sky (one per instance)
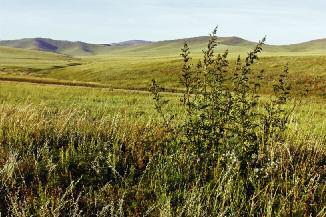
(107, 21)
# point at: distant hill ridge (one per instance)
(134, 47)
(132, 42)
(57, 46)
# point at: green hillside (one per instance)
(136, 47)
(134, 66)
(57, 46)
(22, 61)
(172, 47)
(315, 45)
(88, 124)
(161, 48)
(8, 52)
(235, 45)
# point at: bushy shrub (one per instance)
(227, 129)
(224, 110)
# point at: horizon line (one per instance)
(152, 41)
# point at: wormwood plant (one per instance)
(225, 115)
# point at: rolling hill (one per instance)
(318, 45)
(132, 42)
(133, 66)
(160, 48)
(23, 61)
(57, 46)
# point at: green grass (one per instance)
(130, 104)
(72, 144)
(66, 150)
(133, 67)
(29, 58)
(137, 72)
(28, 62)
(96, 100)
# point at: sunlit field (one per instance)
(93, 136)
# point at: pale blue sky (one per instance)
(105, 21)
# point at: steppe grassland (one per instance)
(86, 151)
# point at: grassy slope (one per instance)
(96, 101)
(133, 67)
(63, 153)
(57, 46)
(135, 105)
(318, 45)
(21, 61)
(75, 139)
(138, 72)
(161, 48)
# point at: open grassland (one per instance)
(95, 101)
(136, 72)
(309, 114)
(79, 138)
(92, 151)
(305, 71)
(19, 61)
